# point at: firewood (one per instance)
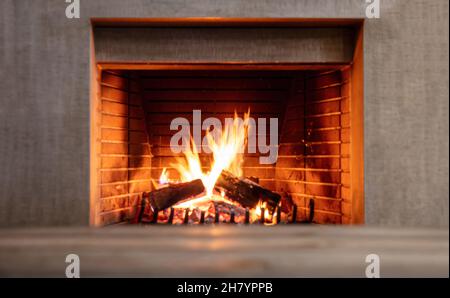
(168, 196)
(246, 192)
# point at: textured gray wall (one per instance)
(44, 114)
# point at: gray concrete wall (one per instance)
(44, 113)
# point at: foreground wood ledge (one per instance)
(228, 251)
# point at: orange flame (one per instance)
(258, 210)
(227, 149)
(164, 178)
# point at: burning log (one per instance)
(168, 196)
(247, 192)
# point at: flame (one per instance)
(189, 167)
(258, 210)
(227, 150)
(164, 178)
(227, 154)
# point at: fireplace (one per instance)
(315, 142)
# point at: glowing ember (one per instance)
(203, 202)
(258, 212)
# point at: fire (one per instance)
(227, 154)
(227, 148)
(202, 203)
(259, 208)
(164, 178)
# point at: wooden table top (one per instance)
(224, 251)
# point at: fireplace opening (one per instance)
(138, 171)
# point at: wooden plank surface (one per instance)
(228, 251)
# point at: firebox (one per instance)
(157, 157)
